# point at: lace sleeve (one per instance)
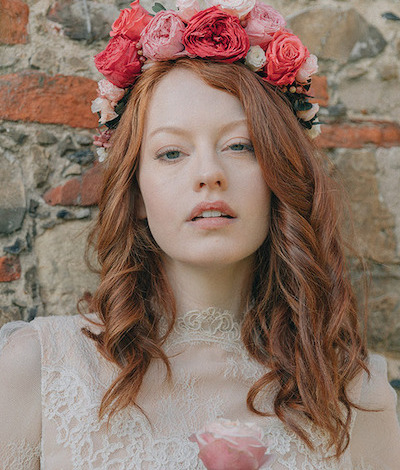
(375, 439)
(20, 397)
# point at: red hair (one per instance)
(303, 325)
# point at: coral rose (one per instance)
(239, 8)
(262, 23)
(131, 22)
(229, 444)
(187, 8)
(162, 37)
(308, 68)
(214, 34)
(119, 62)
(285, 55)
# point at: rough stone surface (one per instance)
(359, 134)
(10, 269)
(36, 97)
(9, 313)
(82, 191)
(12, 196)
(62, 273)
(83, 20)
(14, 16)
(337, 34)
(388, 176)
(374, 223)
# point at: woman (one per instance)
(223, 293)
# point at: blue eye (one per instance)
(169, 154)
(241, 147)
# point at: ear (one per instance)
(141, 208)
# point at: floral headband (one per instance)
(247, 31)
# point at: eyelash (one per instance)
(247, 147)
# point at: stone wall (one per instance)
(49, 179)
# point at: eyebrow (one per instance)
(182, 131)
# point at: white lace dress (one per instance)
(52, 380)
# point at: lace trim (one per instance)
(20, 455)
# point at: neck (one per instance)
(223, 287)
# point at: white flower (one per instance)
(102, 154)
(187, 8)
(309, 113)
(314, 132)
(255, 58)
(238, 8)
(105, 108)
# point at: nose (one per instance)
(209, 171)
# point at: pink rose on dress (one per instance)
(308, 68)
(239, 8)
(162, 37)
(187, 8)
(285, 55)
(119, 62)
(231, 445)
(131, 22)
(262, 23)
(108, 90)
(214, 34)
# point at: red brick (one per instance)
(36, 97)
(10, 269)
(359, 134)
(80, 191)
(14, 17)
(319, 90)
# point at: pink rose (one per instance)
(162, 37)
(239, 8)
(214, 34)
(108, 90)
(285, 55)
(187, 8)
(308, 68)
(119, 62)
(309, 113)
(131, 22)
(103, 139)
(226, 444)
(262, 23)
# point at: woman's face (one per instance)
(196, 149)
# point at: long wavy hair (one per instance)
(303, 324)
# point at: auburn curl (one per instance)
(303, 324)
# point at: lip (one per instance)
(220, 206)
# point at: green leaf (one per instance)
(158, 7)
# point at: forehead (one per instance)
(183, 99)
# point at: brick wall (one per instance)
(49, 178)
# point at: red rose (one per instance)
(213, 34)
(131, 22)
(119, 62)
(285, 55)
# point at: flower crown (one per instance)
(247, 31)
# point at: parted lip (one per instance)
(220, 206)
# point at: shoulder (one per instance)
(376, 390)
(20, 354)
